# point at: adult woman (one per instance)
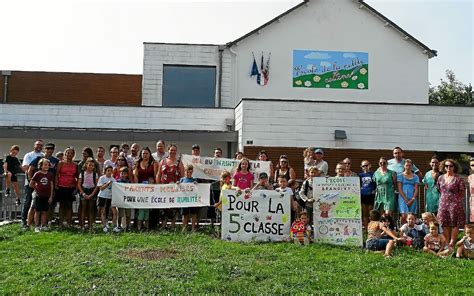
(471, 188)
(407, 191)
(144, 172)
(431, 190)
(367, 190)
(86, 154)
(263, 156)
(385, 181)
(65, 185)
(451, 211)
(170, 170)
(284, 169)
(122, 162)
(348, 172)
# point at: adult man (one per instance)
(101, 159)
(218, 152)
(135, 152)
(195, 150)
(33, 168)
(160, 151)
(27, 159)
(397, 163)
(320, 164)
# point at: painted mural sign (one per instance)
(330, 69)
(259, 215)
(152, 196)
(211, 168)
(337, 211)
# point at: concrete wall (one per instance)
(398, 69)
(156, 55)
(368, 126)
(112, 117)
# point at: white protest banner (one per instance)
(260, 215)
(337, 211)
(211, 168)
(152, 196)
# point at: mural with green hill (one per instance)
(330, 69)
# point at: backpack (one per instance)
(94, 177)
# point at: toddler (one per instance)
(435, 243)
(124, 213)
(466, 244)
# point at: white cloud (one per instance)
(324, 63)
(315, 55)
(349, 55)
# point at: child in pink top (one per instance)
(243, 178)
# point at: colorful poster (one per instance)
(164, 196)
(211, 168)
(330, 69)
(337, 211)
(260, 215)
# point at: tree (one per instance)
(451, 92)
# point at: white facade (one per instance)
(367, 126)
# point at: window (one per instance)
(189, 86)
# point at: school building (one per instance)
(332, 74)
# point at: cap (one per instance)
(195, 146)
(49, 145)
(318, 150)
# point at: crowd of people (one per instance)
(58, 179)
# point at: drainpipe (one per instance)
(219, 91)
(5, 87)
(236, 79)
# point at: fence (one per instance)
(9, 210)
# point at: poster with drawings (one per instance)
(337, 211)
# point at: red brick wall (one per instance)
(73, 88)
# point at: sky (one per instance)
(106, 36)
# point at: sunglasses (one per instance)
(382, 163)
(449, 166)
(364, 166)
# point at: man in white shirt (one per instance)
(27, 159)
(160, 151)
(320, 164)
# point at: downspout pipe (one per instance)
(5, 74)
(219, 90)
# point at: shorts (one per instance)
(104, 202)
(367, 199)
(143, 214)
(65, 194)
(88, 191)
(40, 204)
(14, 178)
(187, 211)
(376, 244)
(123, 212)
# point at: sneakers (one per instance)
(18, 202)
(45, 228)
(7, 192)
(25, 227)
(116, 229)
(105, 229)
(37, 229)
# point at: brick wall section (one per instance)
(74, 88)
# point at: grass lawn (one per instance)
(71, 262)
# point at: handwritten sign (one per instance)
(337, 211)
(330, 69)
(260, 215)
(211, 168)
(150, 196)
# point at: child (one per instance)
(42, 183)
(124, 213)
(375, 242)
(263, 183)
(466, 244)
(144, 214)
(340, 169)
(243, 178)
(105, 198)
(410, 233)
(191, 210)
(87, 187)
(435, 243)
(283, 185)
(427, 218)
(11, 167)
(309, 160)
(306, 192)
(301, 231)
(225, 185)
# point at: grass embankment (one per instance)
(356, 78)
(71, 262)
